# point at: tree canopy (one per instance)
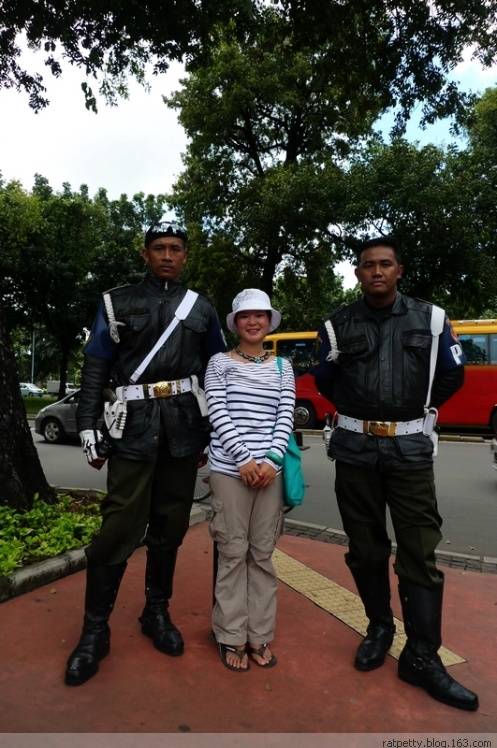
(399, 49)
(441, 206)
(109, 41)
(61, 250)
(274, 115)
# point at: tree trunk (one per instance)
(64, 363)
(21, 474)
(271, 262)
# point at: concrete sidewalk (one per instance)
(314, 687)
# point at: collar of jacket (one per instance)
(160, 286)
(363, 311)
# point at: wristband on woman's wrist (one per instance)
(274, 458)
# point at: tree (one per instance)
(58, 252)
(77, 248)
(377, 43)
(274, 115)
(478, 165)
(305, 298)
(21, 475)
(441, 205)
(108, 41)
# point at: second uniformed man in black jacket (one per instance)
(375, 366)
(156, 433)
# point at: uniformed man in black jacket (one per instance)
(156, 431)
(374, 365)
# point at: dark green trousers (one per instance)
(363, 495)
(145, 501)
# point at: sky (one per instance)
(136, 146)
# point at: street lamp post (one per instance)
(33, 357)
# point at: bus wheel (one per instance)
(305, 415)
(493, 422)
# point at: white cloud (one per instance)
(472, 75)
(133, 147)
(137, 145)
(346, 270)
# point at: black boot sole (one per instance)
(74, 680)
(176, 652)
(413, 680)
(366, 668)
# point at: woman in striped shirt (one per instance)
(251, 407)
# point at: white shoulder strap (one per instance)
(113, 323)
(181, 313)
(334, 352)
(436, 325)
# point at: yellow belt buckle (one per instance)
(163, 389)
(381, 428)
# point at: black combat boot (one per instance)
(102, 585)
(373, 585)
(419, 663)
(155, 620)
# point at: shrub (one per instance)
(45, 530)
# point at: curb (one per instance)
(36, 575)
(462, 561)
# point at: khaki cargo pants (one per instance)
(246, 525)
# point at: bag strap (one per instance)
(436, 325)
(180, 314)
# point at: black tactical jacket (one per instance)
(145, 310)
(382, 374)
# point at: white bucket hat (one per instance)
(252, 299)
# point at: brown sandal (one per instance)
(259, 652)
(240, 652)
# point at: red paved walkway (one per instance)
(314, 688)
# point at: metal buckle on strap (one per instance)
(163, 389)
(380, 428)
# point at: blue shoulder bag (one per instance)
(293, 477)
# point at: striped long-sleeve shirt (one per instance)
(251, 411)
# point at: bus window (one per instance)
(301, 353)
(493, 349)
(475, 348)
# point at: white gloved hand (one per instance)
(89, 440)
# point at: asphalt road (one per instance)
(466, 489)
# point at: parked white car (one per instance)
(28, 389)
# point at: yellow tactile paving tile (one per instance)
(341, 603)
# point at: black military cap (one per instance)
(165, 228)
